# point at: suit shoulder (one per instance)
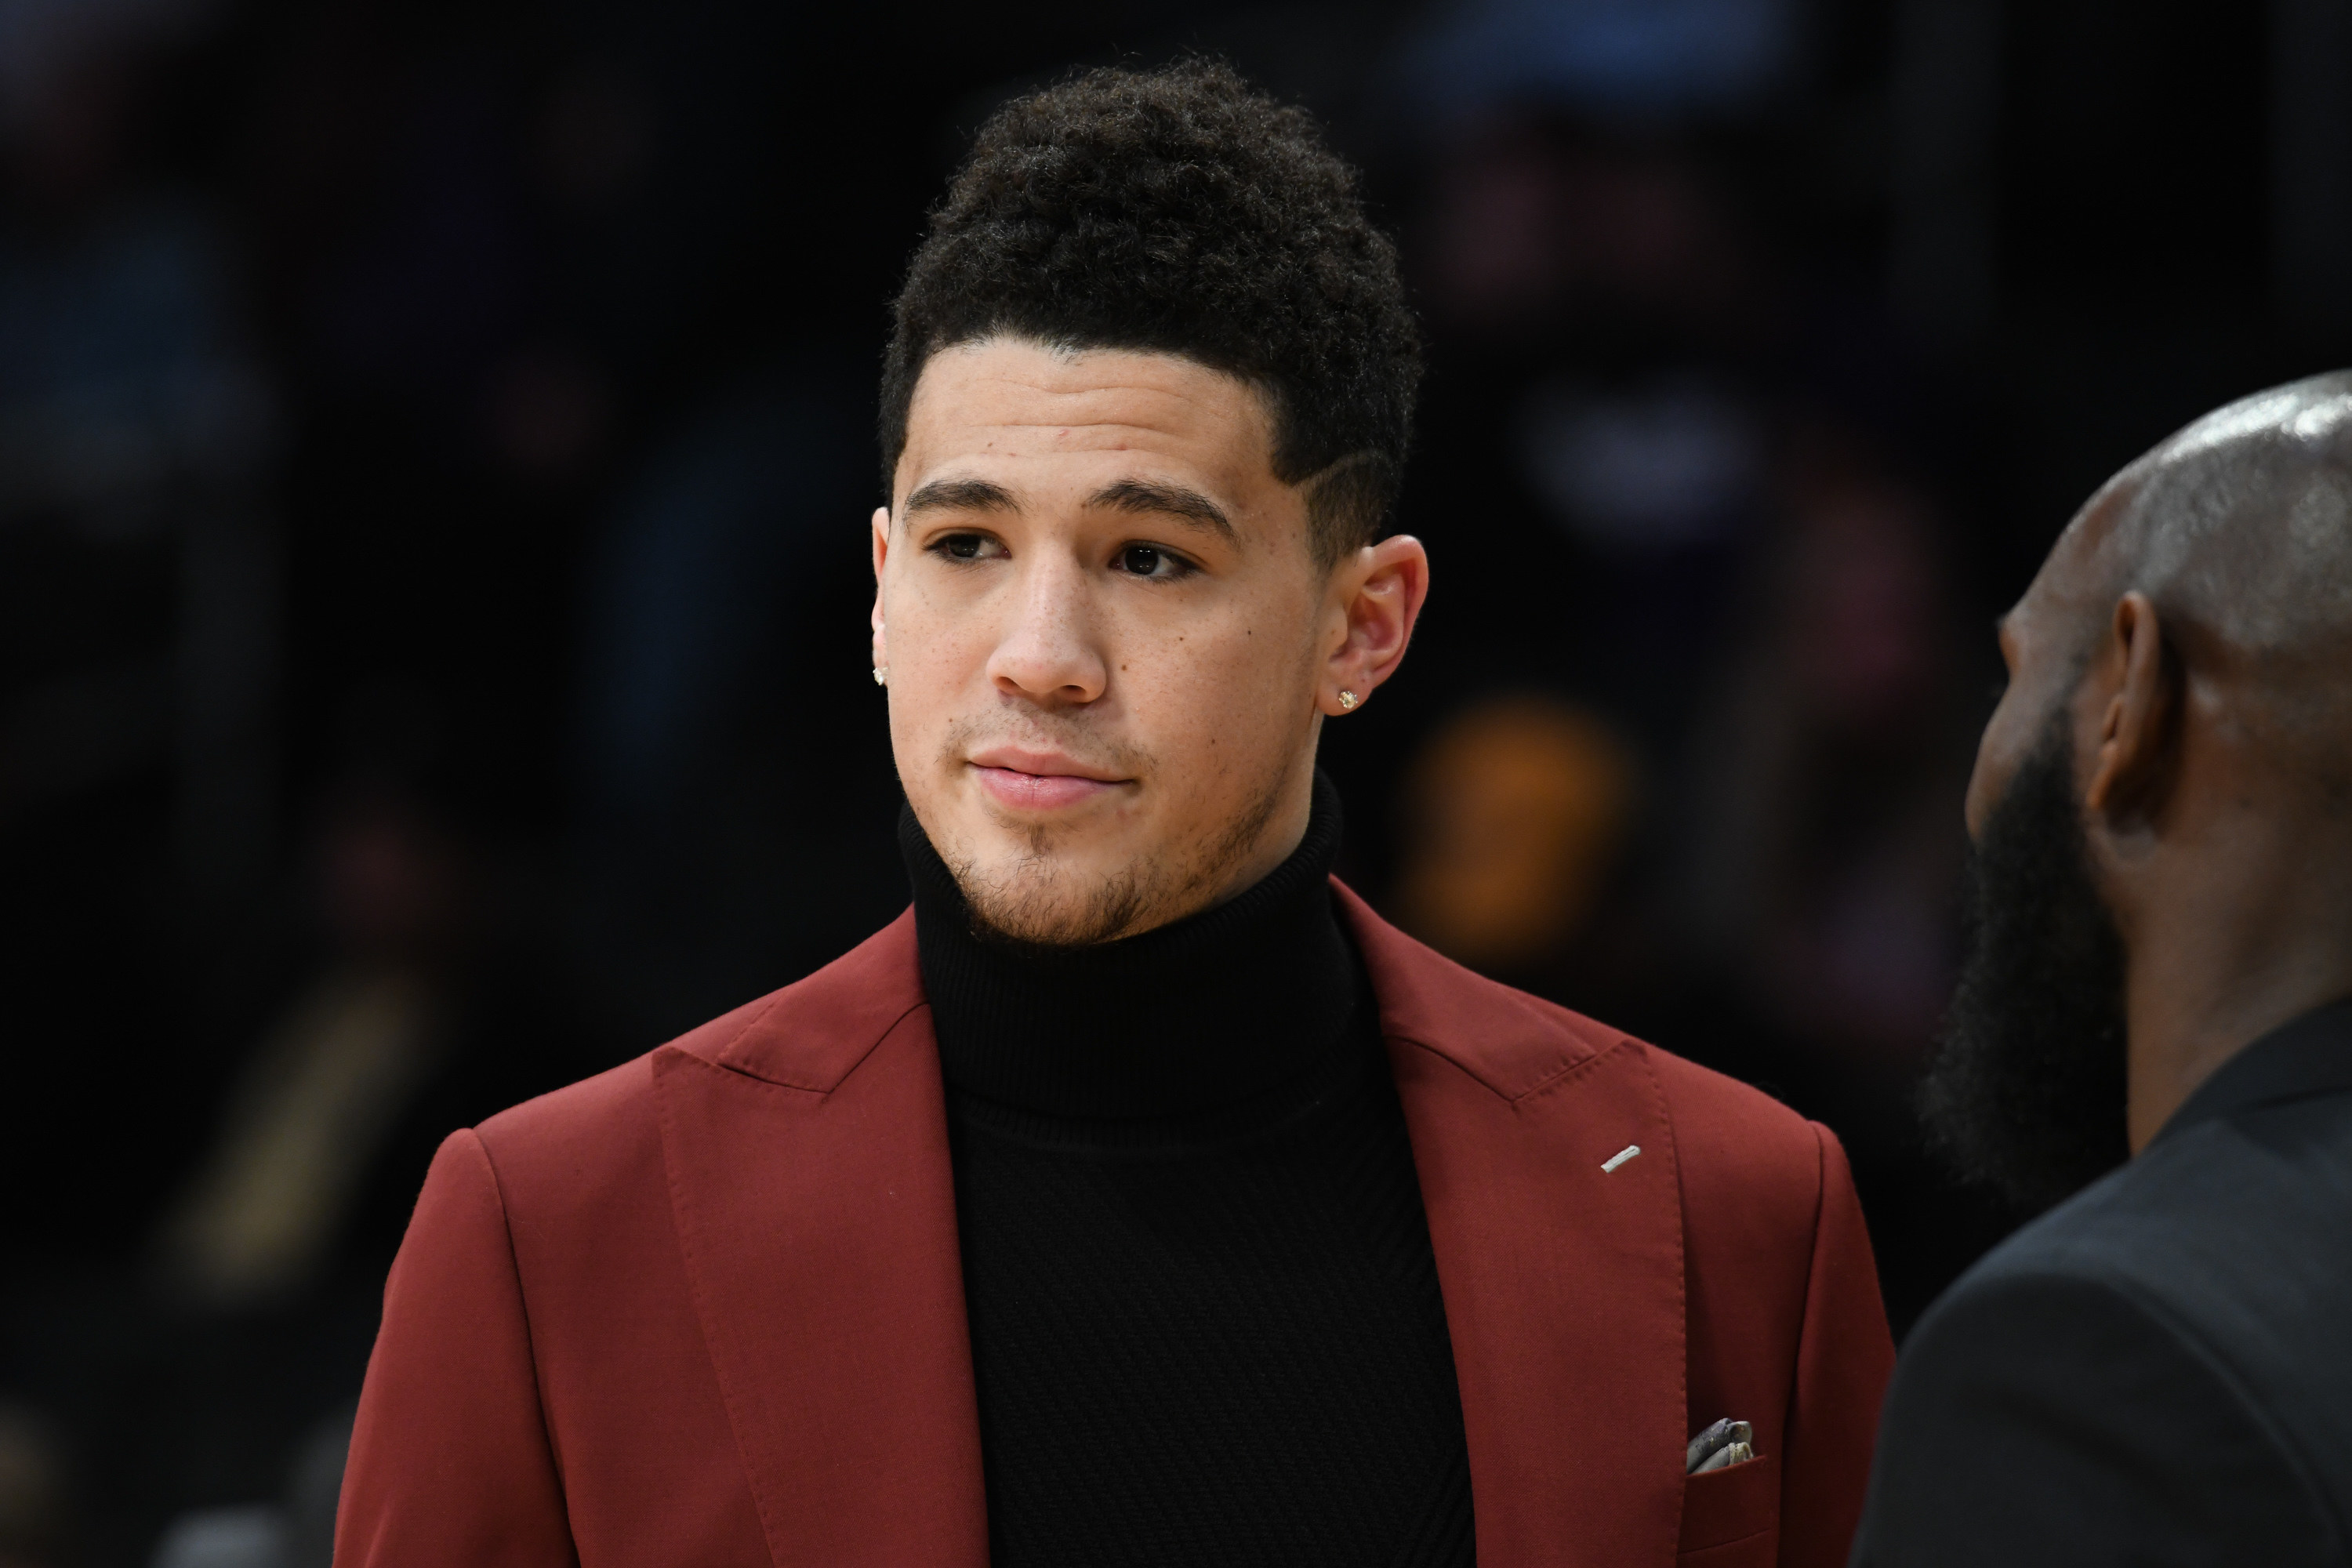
(2105, 1433)
(590, 1107)
(598, 1134)
(1713, 1109)
(2231, 1230)
(1518, 1045)
(807, 1035)
(581, 1115)
(2025, 1296)
(1705, 1105)
(2205, 1215)
(1728, 1134)
(2029, 1343)
(1755, 1174)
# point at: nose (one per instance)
(1047, 654)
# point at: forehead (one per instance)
(1015, 408)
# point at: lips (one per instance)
(1039, 781)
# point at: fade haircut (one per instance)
(1180, 211)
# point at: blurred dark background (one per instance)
(434, 463)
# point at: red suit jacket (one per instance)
(707, 1308)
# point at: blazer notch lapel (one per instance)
(1511, 1042)
(815, 1033)
(1556, 1215)
(819, 1237)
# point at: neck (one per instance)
(2253, 932)
(1201, 1013)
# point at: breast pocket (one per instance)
(1731, 1517)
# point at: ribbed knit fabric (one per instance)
(1205, 1320)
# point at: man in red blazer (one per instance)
(1139, 1196)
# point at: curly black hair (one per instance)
(1180, 211)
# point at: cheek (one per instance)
(939, 650)
(1219, 704)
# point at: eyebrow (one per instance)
(960, 495)
(1148, 498)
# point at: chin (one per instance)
(1041, 881)
(1054, 900)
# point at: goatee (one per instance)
(2026, 1088)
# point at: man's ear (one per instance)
(881, 555)
(2139, 729)
(1379, 594)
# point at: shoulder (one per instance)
(2229, 1234)
(2233, 1228)
(2160, 1353)
(1722, 1123)
(2104, 1424)
(1520, 1046)
(602, 1136)
(583, 1126)
(2030, 1330)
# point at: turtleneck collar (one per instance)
(1209, 1012)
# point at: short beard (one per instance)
(2027, 1090)
(1032, 905)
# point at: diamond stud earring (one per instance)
(1348, 700)
(881, 675)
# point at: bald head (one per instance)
(2239, 529)
(2162, 801)
(2241, 523)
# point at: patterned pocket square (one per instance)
(1721, 1446)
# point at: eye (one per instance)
(1150, 560)
(966, 547)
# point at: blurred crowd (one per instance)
(433, 457)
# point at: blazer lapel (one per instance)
(810, 1178)
(1562, 1282)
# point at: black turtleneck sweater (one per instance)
(1206, 1318)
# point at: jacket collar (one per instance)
(2312, 1054)
(809, 1179)
(1563, 1279)
(815, 1213)
(811, 1034)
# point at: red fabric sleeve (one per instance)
(1843, 1361)
(450, 1463)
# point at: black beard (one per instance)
(2027, 1088)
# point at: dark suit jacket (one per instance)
(707, 1308)
(2160, 1370)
